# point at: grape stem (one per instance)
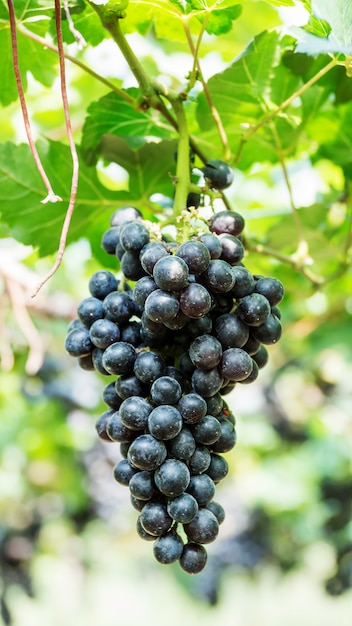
(51, 196)
(74, 155)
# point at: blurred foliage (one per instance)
(290, 486)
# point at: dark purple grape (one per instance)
(205, 352)
(133, 236)
(78, 342)
(202, 488)
(131, 266)
(195, 301)
(110, 397)
(200, 460)
(161, 306)
(125, 214)
(119, 358)
(142, 485)
(103, 333)
(171, 273)
(212, 242)
(155, 519)
(218, 467)
(129, 385)
(117, 431)
(218, 277)
(227, 222)
(192, 407)
(232, 250)
(236, 364)
(97, 358)
(101, 425)
(193, 558)
(110, 239)
(90, 310)
(101, 283)
(149, 366)
(150, 254)
(165, 390)
(207, 430)
(206, 382)
(261, 357)
(271, 288)
(227, 440)
(143, 287)
(195, 254)
(134, 412)
(118, 307)
(244, 282)
(230, 331)
(219, 174)
(182, 446)
(217, 510)
(204, 527)
(123, 472)
(146, 452)
(165, 422)
(172, 477)
(131, 333)
(253, 309)
(183, 508)
(168, 548)
(269, 331)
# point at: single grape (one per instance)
(212, 242)
(129, 385)
(143, 287)
(131, 265)
(195, 301)
(192, 407)
(232, 250)
(103, 333)
(204, 527)
(202, 488)
(125, 214)
(205, 352)
(133, 236)
(218, 173)
(110, 239)
(118, 307)
(218, 467)
(155, 519)
(134, 412)
(207, 430)
(171, 273)
(89, 310)
(236, 364)
(227, 439)
(172, 477)
(78, 342)
(182, 446)
(182, 508)
(230, 331)
(110, 396)
(227, 222)
(271, 288)
(261, 357)
(142, 485)
(101, 283)
(101, 425)
(119, 358)
(206, 382)
(193, 558)
(269, 331)
(146, 452)
(195, 254)
(165, 390)
(161, 306)
(123, 472)
(200, 460)
(244, 282)
(165, 422)
(218, 277)
(117, 431)
(168, 548)
(217, 510)
(253, 309)
(149, 366)
(150, 254)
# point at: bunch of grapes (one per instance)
(193, 325)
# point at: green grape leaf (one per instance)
(329, 31)
(33, 58)
(22, 190)
(112, 114)
(149, 168)
(86, 22)
(339, 15)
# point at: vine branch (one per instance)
(74, 155)
(51, 196)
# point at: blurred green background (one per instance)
(69, 553)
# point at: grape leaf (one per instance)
(339, 15)
(21, 189)
(33, 58)
(112, 114)
(149, 168)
